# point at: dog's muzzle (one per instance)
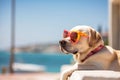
(62, 43)
(63, 47)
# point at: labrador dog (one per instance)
(89, 51)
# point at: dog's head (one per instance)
(79, 39)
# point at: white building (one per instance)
(114, 23)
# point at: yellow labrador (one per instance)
(89, 51)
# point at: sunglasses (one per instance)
(74, 35)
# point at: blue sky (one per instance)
(43, 21)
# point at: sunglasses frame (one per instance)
(79, 34)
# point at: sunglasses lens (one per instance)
(65, 33)
(74, 36)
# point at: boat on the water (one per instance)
(23, 67)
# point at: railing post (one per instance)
(12, 36)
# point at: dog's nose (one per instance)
(62, 42)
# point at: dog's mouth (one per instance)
(68, 51)
(75, 52)
(63, 50)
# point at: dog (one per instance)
(89, 51)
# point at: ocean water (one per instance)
(52, 62)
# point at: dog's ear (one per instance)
(94, 37)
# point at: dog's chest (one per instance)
(100, 60)
(115, 65)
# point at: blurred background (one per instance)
(31, 29)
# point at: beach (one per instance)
(30, 76)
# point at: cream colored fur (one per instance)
(105, 59)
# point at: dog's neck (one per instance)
(93, 52)
(84, 55)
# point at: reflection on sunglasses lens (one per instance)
(65, 34)
(73, 36)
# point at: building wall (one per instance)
(114, 23)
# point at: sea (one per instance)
(51, 61)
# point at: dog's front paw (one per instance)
(65, 75)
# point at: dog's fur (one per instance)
(105, 59)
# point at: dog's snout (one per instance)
(62, 42)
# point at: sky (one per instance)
(43, 21)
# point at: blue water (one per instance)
(52, 62)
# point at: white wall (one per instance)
(114, 23)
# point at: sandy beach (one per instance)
(30, 76)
